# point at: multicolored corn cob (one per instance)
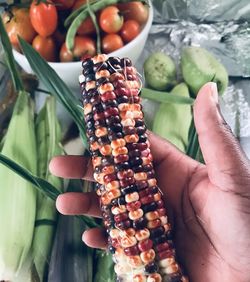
(133, 210)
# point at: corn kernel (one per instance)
(128, 241)
(142, 234)
(148, 256)
(102, 73)
(132, 197)
(134, 215)
(106, 87)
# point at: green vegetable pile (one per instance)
(173, 119)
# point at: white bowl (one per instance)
(69, 72)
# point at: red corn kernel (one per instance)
(135, 107)
(150, 174)
(125, 174)
(154, 223)
(106, 150)
(128, 130)
(98, 116)
(121, 159)
(146, 200)
(141, 146)
(109, 95)
(123, 225)
(120, 217)
(150, 157)
(143, 193)
(119, 83)
(131, 251)
(145, 245)
(111, 112)
(133, 206)
(120, 151)
(162, 212)
(127, 181)
(162, 247)
(115, 242)
(165, 254)
(160, 204)
(145, 153)
(121, 91)
(109, 177)
(133, 138)
(108, 169)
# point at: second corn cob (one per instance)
(134, 215)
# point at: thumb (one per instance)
(225, 160)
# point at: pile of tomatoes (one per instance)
(43, 26)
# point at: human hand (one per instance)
(209, 205)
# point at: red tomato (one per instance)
(19, 24)
(86, 27)
(64, 4)
(111, 20)
(134, 11)
(130, 30)
(78, 4)
(84, 46)
(111, 42)
(43, 18)
(46, 47)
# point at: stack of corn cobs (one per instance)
(131, 202)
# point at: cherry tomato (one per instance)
(84, 46)
(43, 18)
(111, 20)
(46, 47)
(111, 42)
(86, 27)
(19, 24)
(64, 4)
(130, 30)
(78, 4)
(134, 11)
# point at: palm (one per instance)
(205, 240)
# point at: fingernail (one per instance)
(214, 92)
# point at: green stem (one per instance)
(193, 145)
(16, 78)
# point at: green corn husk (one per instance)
(18, 197)
(172, 121)
(104, 267)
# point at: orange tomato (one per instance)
(111, 20)
(111, 42)
(134, 11)
(43, 18)
(83, 47)
(46, 47)
(130, 30)
(19, 24)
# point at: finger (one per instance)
(95, 238)
(72, 167)
(73, 203)
(222, 153)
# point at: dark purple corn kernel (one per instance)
(113, 119)
(98, 116)
(127, 182)
(121, 159)
(120, 83)
(98, 108)
(98, 169)
(141, 184)
(141, 130)
(140, 223)
(169, 235)
(138, 168)
(115, 135)
(129, 189)
(86, 101)
(115, 127)
(143, 138)
(100, 66)
(118, 201)
(120, 217)
(95, 100)
(122, 99)
(135, 161)
(160, 204)
(91, 93)
(110, 104)
(100, 123)
(151, 268)
(111, 112)
(149, 207)
(157, 232)
(107, 161)
(89, 77)
(87, 62)
(90, 132)
(153, 190)
(148, 167)
(121, 91)
(109, 95)
(103, 140)
(176, 278)
(139, 122)
(90, 125)
(125, 62)
(124, 165)
(123, 225)
(160, 239)
(134, 153)
(88, 117)
(109, 177)
(95, 153)
(101, 80)
(111, 249)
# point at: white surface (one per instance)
(69, 72)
